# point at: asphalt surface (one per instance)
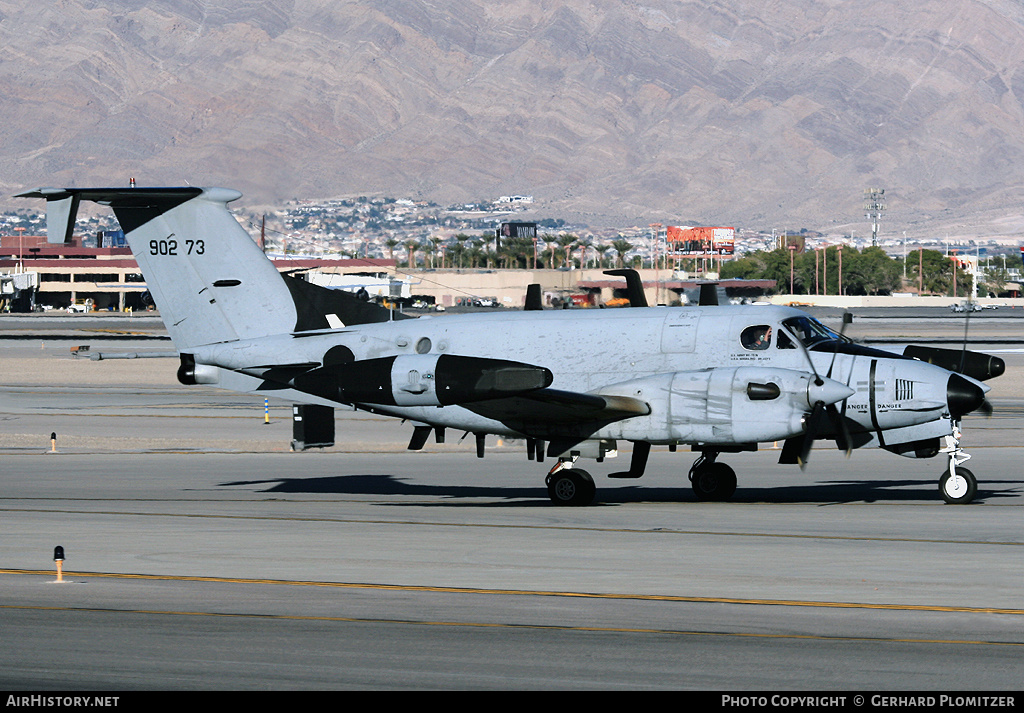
(201, 554)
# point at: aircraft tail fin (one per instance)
(209, 279)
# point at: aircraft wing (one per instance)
(551, 413)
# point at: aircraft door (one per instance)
(679, 333)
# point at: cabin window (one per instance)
(757, 337)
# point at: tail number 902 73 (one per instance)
(169, 246)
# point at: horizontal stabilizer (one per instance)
(315, 306)
(133, 206)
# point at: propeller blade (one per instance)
(814, 423)
(967, 323)
(807, 357)
(986, 408)
(843, 440)
(847, 319)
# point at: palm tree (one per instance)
(582, 245)
(412, 246)
(566, 242)
(460, 246)
(601, 250)
(622, 246)
(434, 245)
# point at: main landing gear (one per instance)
(570, 486)
(712, 481)
(957, 485)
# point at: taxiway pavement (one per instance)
(202, 554)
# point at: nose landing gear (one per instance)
(957, 485)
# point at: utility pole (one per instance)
(874, 204)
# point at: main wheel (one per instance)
(571, 486)
(714, 481)
(958, 489)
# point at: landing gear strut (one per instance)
(570, 486)
(957, 485)
(711, 480)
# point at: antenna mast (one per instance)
(874, 204)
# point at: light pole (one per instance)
(904, 254)
(954, 274)
(840, 248)
(817, 284)
(792, 250)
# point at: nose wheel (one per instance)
(957, 485)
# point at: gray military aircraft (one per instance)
(720, 379)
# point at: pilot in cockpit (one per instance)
(757, 337)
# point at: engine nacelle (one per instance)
(423, 380)
(725, 406)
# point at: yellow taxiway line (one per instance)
(537, 592)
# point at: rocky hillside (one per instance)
(736, 112)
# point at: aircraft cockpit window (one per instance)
(810, 331)
(756, 337)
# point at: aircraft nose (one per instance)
(962, 396)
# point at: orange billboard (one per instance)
(700, 241)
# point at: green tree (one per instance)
(994, 281)
(938, 272)
(870, 272)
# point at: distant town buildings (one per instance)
(385, 239)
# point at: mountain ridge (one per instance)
(731, 112)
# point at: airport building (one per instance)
(80, 278)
